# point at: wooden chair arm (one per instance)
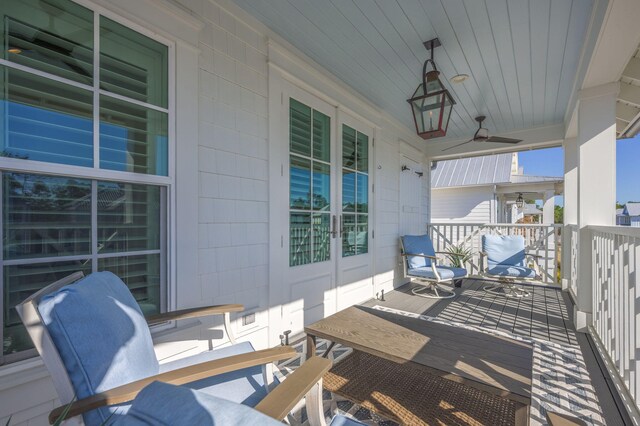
(179, 376)
(419, 255)
(194, 313)
(281, 400)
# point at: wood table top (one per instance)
(495, 364)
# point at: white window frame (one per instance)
(168, 212)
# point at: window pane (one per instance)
(132, 138)
(300, 128)
(141, 274)
(299, 239)
(348, 235)
(45, 216)
(51, 36)
(348, 147)
(20, 282)
(132, 65)
(321, 237)
(363, 152)
(362, 202)
(44, 120)
(128, 217)
(348, 191)
(321, 186)
(321, 136)
(300, 183)
(362, 234)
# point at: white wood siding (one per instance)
(469, 205)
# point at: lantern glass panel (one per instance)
(427, 112)
(446, 112)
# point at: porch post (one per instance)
(548, 209)
(570, 208)
(596, 184)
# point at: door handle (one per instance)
(334, 231)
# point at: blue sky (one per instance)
(549, 162)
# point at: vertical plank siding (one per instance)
(616, 309)
(542, 240)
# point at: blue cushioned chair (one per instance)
(96, 343)
(164, 404)
(505, 258)
(421, 265)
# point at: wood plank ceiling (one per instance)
(521, 55)
(628, 105)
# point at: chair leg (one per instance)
(506, 288)
(433, 291)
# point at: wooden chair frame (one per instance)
(275, 404)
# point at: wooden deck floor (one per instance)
(544, 315)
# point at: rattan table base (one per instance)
(408, 395)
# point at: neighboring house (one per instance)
(484, 190)
(629, 215)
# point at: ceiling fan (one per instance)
(482, 135)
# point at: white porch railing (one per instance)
(616, 301)
(571, 234)
(543, 240)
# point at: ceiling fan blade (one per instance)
(455, 146)
(502, 140)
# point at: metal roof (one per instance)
(531, 209)
(632, 209)
(487, 170)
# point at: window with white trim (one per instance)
(84, 155)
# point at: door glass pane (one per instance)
(362, 234)
(348, 191)
(299, 128)
(321, 237)
(128, 217)
(44, 120)
(133, 138)
(51, 36)
(132, 64)
(299, 239)
(321, 137)
(300, 183)
(45, 216)
(362, 199)
(363, 152)
(321, 186)
(20, 282)
(348, 147)
(141, 274)
(348, 235)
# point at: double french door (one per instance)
(328, 235)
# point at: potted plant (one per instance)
(458, 255)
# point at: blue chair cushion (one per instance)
(512, 271)
(504, 250)
(341, 420)
(446, 272)
(101, 335)
(244, 386)
(418, 244)
(165, 404)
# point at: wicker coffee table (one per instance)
(498, 367)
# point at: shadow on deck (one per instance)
(544, 315)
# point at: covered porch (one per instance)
(268, 158)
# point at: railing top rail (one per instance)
(493, 225)
(629, 231)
